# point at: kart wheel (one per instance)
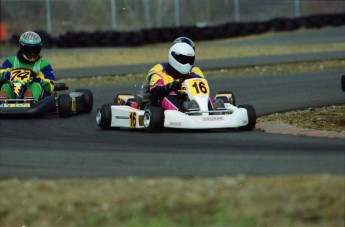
(88, 99)
(343, 82)
(251, 118)
(65, 104)
(227, 97)
(103, 116)
(153, 119)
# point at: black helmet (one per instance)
(30, 45)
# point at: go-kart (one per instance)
(129, 111)
(78, 101)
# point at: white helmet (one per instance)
(183, 39)
(181, 57)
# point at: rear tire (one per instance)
(88, 99)
(153, 119)
(251, 118)
(343, 83)
(103, 116)
(65, 103)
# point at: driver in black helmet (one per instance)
(28, 56)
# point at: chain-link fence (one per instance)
(59, 16)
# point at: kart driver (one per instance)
(28, 56)
(165, 79)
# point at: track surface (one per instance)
(75, 147)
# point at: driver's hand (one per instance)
(6, 76)
(174, 86)
(37, 80)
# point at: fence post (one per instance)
(177, 13)
(237, 10)
(49, 21)
(113, 14)
(297, 8)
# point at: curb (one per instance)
(286, 129)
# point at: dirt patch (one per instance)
(328, 119)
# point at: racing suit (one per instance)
(159, 76)
(40, 86)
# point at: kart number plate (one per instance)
(198, 87)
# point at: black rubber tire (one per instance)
(251, 118)
(343, 83)
(232, 100)
(65, 104)
(88, 99)
(103, 116)
(153, 119)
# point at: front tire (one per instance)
(103, 116)
(251, 118)
(153, 119)
(88, 99)
(343, 82)
(65, 104)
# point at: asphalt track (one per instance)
(51, 147)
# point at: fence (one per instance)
(60, 16)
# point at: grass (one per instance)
(220, 201)
(241, 201)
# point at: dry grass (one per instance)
(253, 70)
(221, 201)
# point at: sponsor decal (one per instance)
(10, 105)
(213, 118)
(74, 105)
(175, 123)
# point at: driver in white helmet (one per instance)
(165, 79)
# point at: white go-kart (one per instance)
(129, 111)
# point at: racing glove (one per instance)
(37, 80)
(174, 86)
(45, 84)
(5, 76)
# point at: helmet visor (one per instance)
(31, 51)
(183, 59)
